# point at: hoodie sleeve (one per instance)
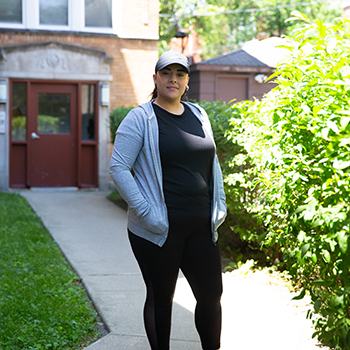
(127, 146)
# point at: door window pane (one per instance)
(11, 11)
(88, 112)
(54, 113)
(54, 12)
(19, 112)
(98, 13)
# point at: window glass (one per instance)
(98, 13)
(19, 112)
(54, 113)
(11, 11)
(54, 12)
(88, 112)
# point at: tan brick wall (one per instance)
(134, 13)
(132, 65)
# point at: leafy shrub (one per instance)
(297, 139)
(242, 232)
(116, 117)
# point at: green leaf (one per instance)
(310, 211)
(300, 209)
(341, 111)
(296, 176)
(305, 249)
(343, 241)
(324, 133)
(333, 126)
(301, 295)
(321, 28)
(337, 301)
(339, 164)
(326, 256)
(322, 283)
(301, 236)
(317, 305)
(306, 109)
(298, 16)
(344, 121)
(331, 45)
(344, 140)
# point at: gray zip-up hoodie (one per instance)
(136, 147)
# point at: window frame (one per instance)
(76, 18)
(98, 29)
(17, 25)
(51, 26)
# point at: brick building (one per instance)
(64, 65)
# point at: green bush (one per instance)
(297, 142)
(116, 117)
(242, 232)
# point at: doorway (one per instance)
(53, 136)
(52, 144)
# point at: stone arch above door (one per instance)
(54, 60)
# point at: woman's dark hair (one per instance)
(154, 94)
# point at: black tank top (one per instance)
(186, 153)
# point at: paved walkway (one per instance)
(258, 313)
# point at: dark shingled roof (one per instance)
(235, 58)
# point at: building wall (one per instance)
(132, 44)
(193, 93)
(258, 90)
(206, 85)
(132, 65)
(138, 19)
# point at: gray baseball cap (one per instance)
(172, 57)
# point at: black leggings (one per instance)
(189, 248)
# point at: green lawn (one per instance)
(42, 303)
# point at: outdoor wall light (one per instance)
(104, 94)
(3, 91)
(260, 78)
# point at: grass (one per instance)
(42, 303)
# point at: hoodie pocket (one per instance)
(153, 220)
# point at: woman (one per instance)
(176, 201)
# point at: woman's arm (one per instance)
(127, 146)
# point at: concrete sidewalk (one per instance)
(91, 231)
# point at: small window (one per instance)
(54, 113)
(19, 112)
(88, 112)
(98, 13)
(11, 11)
(54, 12)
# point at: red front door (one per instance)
(52, 143)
